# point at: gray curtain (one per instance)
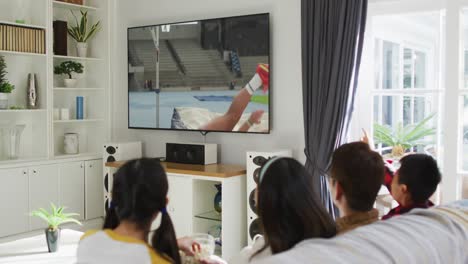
(332, 40)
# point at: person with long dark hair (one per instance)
(139, 195)
(288, 208)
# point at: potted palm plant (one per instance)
(5, 87)
(81, 32)
(67, 68)
(54, 219)
(402, 137)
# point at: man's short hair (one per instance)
(360, 172)
(420, 174)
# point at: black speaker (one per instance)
(200, 154)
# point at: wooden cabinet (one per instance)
(94, 188)
(14, 201)
(43, 189)
(72, 187)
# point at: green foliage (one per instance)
(80, 31)
(68, 67)
(406, 137)
(55, 218)
(5, 86)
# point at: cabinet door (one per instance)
(94, 189)
(180, 204)
(43, 189)
(72, 187)
(14, 201)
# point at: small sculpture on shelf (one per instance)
(67, 68)
(5, 87)
(81, 34)
(32, 91)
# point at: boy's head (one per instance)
(357, 173)
(416, 179)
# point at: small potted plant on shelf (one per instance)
(67, 68)
(82, 33)
(403, 138)
(5, 87)
(54, 219)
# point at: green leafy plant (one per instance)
(81, 32)
(68, 67)
(402, 137)
(56, 217)
(5, 86)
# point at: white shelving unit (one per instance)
(43, 136)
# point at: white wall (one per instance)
(287, 117)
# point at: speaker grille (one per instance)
(252, 201)
(254, 228)
(111, 150)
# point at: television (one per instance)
(203, 75)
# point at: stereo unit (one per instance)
(117, 152)
(192, 153)
(255, 161)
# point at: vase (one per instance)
(217, 199)
(3, 101)
(32, 91)
(70, 83)
(12, 139)
(71, 143)
(82, 49)
(53, 239)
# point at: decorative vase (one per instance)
(3, 101)
(32, 91)
(12, 139)
(53, 239)
(217, 199)
(70, 83)
(82, 49)
(71, 143)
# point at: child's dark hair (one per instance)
(420, 174)
(360, 172)
(288, 208)
(139, 192)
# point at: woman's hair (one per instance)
(288, 208)
(139, 192)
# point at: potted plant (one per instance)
(67, 68)
(402, 137)
(54, 219)
(5, 87)
(82, 33)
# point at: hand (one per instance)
(188, 246)
(365, 138)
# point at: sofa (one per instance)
(436, 235)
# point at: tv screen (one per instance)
(204, 75)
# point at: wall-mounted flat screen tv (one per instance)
(204, 75)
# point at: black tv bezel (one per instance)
(204, 132)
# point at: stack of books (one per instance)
(22, 39)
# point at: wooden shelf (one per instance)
(76, 58)
(21, 25)
(22, 53)
(77, 121)
(59, 4)
(212, 170)
(77, 89)
(23, 111)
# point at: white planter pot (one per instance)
(70, 83)
(82, 49)
(3, 101)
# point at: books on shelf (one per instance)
(22, 39)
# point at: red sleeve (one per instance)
(388, 178)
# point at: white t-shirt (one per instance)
(246, 253)
(106, 246)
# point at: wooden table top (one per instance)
(212, 170)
